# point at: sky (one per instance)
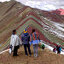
(43, 4)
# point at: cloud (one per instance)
(44, 4)
(4, 0)
(41, 5)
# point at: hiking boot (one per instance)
(35, 55)
(15, 55)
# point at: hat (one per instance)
(14, 31)
(25, 31)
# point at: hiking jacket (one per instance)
(34, 38)
(60, 49)
(15, 41)
(25, 38)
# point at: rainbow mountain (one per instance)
(14, 15)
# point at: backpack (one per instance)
(34, 36)
(25, 39)
(42, 46)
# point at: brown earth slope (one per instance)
(8, 18)
(45, 57)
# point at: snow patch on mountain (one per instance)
(59, 31)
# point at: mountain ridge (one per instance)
(19, 15)
(59, 11)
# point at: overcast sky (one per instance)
(43, 4)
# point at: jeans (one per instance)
(25, 48)
(35, 47)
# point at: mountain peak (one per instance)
(59, 11)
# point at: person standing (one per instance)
(35, 41)
(54, 50)
(25, 39)
(15, 42)
(58, 47)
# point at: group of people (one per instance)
(57, 49)
(26, 40)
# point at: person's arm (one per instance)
(38, 36)
(11, 40)
(29, 38)
(10, 46)
(20, 42)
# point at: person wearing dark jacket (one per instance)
(25, 39)
(58, 47)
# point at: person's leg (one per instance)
(15, 51)
(29, 49)
(34, 49)
(58, 52)
(25, 48)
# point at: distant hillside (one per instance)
(8, 18)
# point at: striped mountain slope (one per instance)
(32, 21)
(19, 17)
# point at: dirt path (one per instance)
(45, 57)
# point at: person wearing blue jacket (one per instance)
(60, 49)
(25, 39)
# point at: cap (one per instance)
(25, 31)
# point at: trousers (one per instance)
(25, 48)
(35, 47)
(15, 50)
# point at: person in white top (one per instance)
(15, 42)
